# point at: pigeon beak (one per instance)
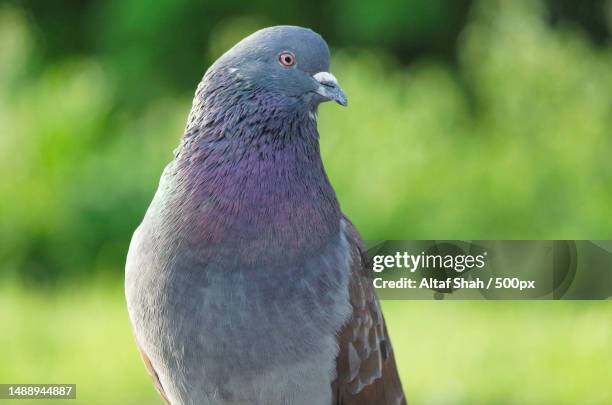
(329, 88)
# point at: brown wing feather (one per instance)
(366, 370)
(153, 375)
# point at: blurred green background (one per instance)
(485, 119)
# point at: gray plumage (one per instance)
(245, 283)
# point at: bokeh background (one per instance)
(484, 119)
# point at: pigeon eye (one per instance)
(286, 59)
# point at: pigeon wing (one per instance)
(366, 370)
(153, 375)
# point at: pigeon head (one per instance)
(287, 63)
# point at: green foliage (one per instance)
(515, 144)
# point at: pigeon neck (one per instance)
(259, 176)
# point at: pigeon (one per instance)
(245, 283)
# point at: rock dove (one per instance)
(245, 283)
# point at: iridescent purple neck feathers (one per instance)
(249, 171)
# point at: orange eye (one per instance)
(287, 59)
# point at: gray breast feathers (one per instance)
(220, 331)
